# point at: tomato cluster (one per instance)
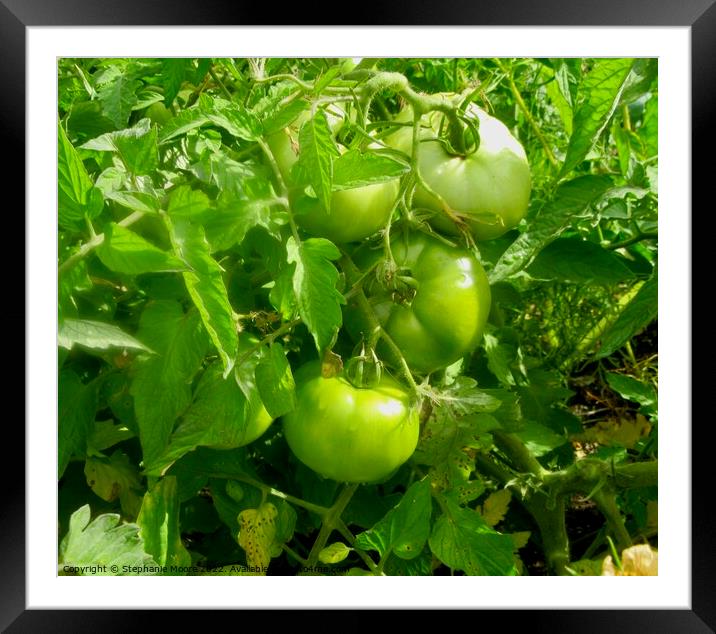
(431, 298)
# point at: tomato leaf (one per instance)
(183, 122)
(539, 439)
(334, 553)
(144, 202)
(446, 444)
(118, 95)
(247, 201)
(499, 358)
(232, 117)
(634, 390)
(106, 434)
(218, 416)
(77, 197)
(579, 262)
(77, 404)
(205, 284)
(257, 534)
(161, 387)
(355, 169)
(159, 525)
(95, 335)
(495, 507)
(284, 117)
(405, 528)
(115, 477)
(326, 78)
(637, 314)
(282, 296)
(599, 92)
(174, 72)
(103, 546)
(314, 284)
(86, 121)
(136, 146)
(127, 252)
(464, 397)
(463, 541)
(186, 202)
(573, 200)
(275, 382)
(642, 75)
(315, 159)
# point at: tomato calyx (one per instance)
(364, 369)
(398, 281)
(461, 136)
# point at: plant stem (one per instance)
(330, 522)
(94, 242)
(528, 116)
(293, 554)
(606, 502)
(306, 87)
(270, 338)
(283, 193)
(219, 83)
(626, 117)
(547, 505)
(373, 325)
(309, 506)
(350, 538)
(518, 453)
(647, 235)
(553, 529)
(547, 511)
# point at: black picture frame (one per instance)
(699, 15)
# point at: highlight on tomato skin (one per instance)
(350, 434)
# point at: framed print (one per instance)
(363, 302)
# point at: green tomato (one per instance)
(254, 419)
(158, 113)
(440, 315)
(347, 433)
(354, 213)
(489, 189)
(259, 421)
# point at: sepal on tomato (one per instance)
(364, 369)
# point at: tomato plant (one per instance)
(268, 244)
(435, 305)
(347, 433)
(488, 188)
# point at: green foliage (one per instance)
(103, 546)
(191, 287)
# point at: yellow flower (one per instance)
(637, 561)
